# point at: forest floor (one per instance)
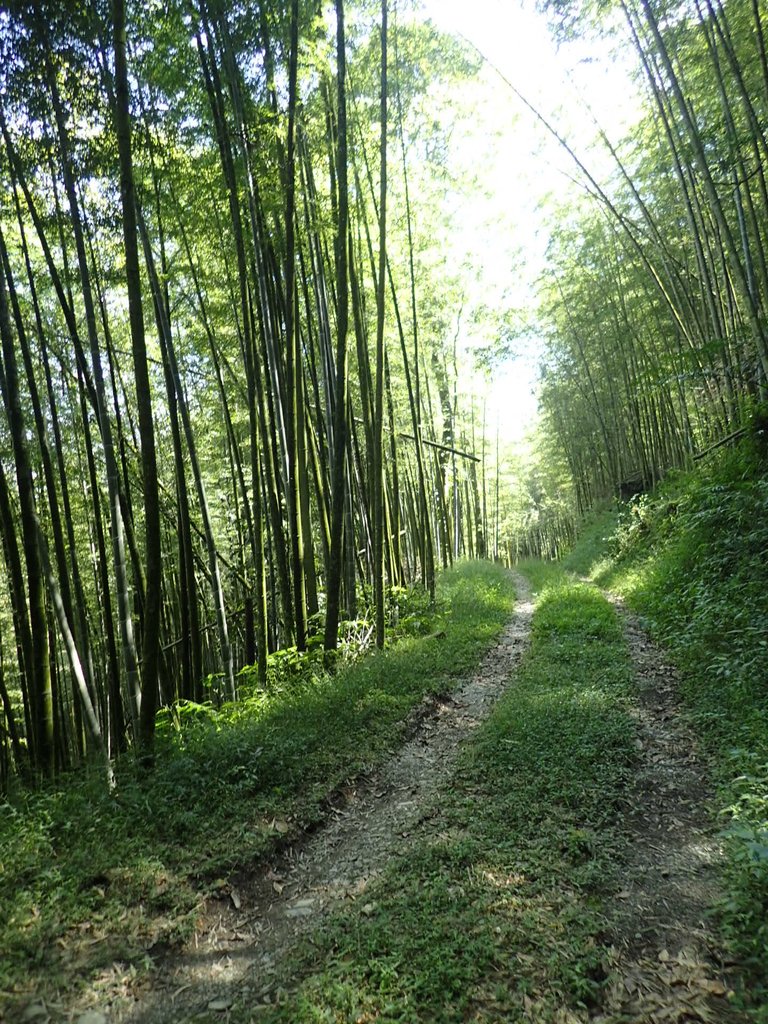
(540, 849)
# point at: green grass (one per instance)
(692, 560)
(87, 877)
(498, 914)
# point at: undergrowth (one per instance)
(496, 915)
(692, 559)
(88, 877)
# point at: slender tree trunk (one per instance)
(39, 668)
(339, 476)
(296, 431)
(378, 415)
(154, 560)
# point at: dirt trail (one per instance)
(237, 954)
(665, 966)
(666, 963)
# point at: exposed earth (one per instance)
(667, 966)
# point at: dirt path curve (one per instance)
(237, 955)
(667, 967)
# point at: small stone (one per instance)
(92, 1017)
(221, 1004)
(301, 908)
(34, 1011)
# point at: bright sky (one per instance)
(502, 225)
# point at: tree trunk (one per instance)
(153, 540)
(338, 470)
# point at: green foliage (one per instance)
(410, 611)
(638, 366)
(496, 915)
(540, 574)
(538, 512)
(691, 560)
(596, 532)
(229, 782)
(744, 911)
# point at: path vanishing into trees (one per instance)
(664, 961)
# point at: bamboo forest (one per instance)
(383, 461)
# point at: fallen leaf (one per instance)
(715, 988)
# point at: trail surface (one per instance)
(237, 952)
(665, 964)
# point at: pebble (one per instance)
(301, 908)
(33, 1011)
(220, 1004)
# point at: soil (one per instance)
(665, 965)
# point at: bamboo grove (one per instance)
(656, 297)
(224, 431)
